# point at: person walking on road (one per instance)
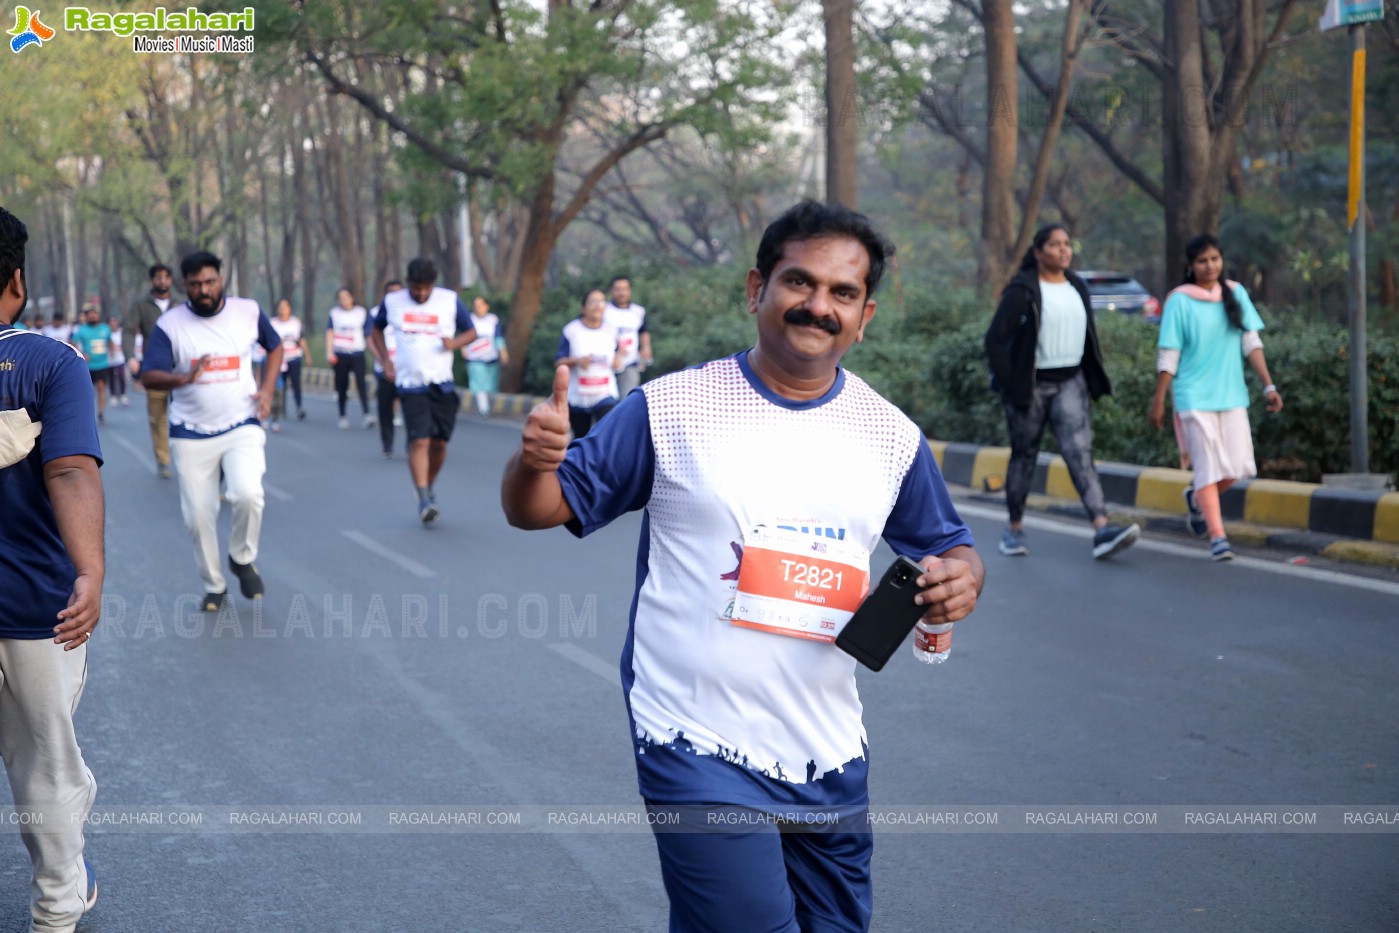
(1047, 366)
(633, 339)
(139, 324)
(774, 454)
(346, 327)
(484, 356)
(116, 370)
(588, 347)
(294, 350)
(1208, 328)
(429, 325)
(51, 573)
(385, 395)
(93, 338)
(202, 353)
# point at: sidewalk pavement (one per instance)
(1340, 524)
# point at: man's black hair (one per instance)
(13, 235)
(422, 271)
(618, 278)
(195, 261)
(812, 220)
(159, 267)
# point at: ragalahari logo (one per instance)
(29, 30)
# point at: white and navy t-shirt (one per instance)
(347, 329)
(723, 713)
(290, 331)
(590, 383)
(420, 359)
(50, 382)
(223, 397)
(486, 347)
(631, 324)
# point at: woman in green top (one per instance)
(1208, 328)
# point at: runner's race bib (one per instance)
(799, 585)
(221, 369)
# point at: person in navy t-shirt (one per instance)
(51, 571)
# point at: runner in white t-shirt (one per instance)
(775, 449)
(633, 337)
(294, 350)
(588, 347)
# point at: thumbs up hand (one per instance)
(546, 431)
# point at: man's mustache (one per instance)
(802, 316)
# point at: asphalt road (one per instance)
(422, 730)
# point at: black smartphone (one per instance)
(885, 618)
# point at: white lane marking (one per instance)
(1198, 552)
(388, 554)
(141, 456)
(589, 662)
(281, 495)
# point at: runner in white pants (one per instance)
(201, 351)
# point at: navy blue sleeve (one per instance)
(464, 318)
(924, 520)
(642, 329)
(563, 348)
(267, 336)
(159, 354)
(66, 409)
(381, 317)
(609, 471)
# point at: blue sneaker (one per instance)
(1195, 516)
(1220, 549)
(89, 899)
(1013, 543)
(1112, 539)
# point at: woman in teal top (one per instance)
(1208, 328)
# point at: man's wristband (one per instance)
(1270, 388)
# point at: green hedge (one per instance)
(923, 352)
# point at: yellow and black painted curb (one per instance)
(1368, 521)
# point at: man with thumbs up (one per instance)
(752, 470)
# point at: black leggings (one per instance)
(581, 420)
(384, 394)
(292, 378)
(346, 365)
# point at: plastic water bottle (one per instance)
(932, 643)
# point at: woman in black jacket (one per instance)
(1046, 364)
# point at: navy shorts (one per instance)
(733, 868)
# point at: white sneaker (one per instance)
(344, 423)
(398, 421)
(276, 427)
(371, 421)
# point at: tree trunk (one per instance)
(1073, 41)
(308, 248)
(1002, 119)
(534, 265)
(1192, 204)
(842, 108)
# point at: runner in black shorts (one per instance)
(431, 414)
(429, 325)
